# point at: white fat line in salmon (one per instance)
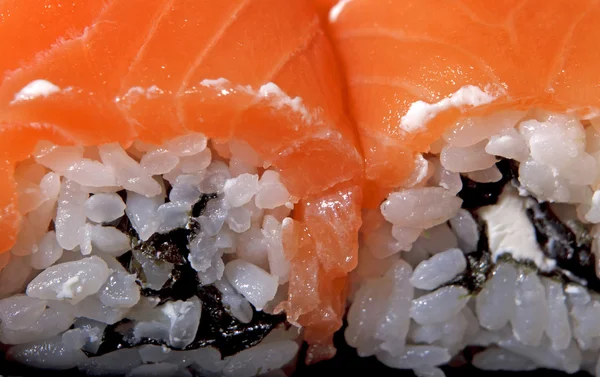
(35, 89)
(337, 9)
(421, 112)
(270, 90)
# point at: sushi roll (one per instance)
(479, 125)
(181, 187)
(193, 187)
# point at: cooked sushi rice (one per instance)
(494, 245)
(170, 255)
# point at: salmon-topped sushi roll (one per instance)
(178, 177)
(479, 125)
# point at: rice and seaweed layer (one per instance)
(492, 249)
(169, 259)
(170, 255)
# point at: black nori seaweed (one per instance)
(169, 247)
(476, 194)
(112, 339)
(200, 205)
(124, 225)
(223, 331)
(182, 285)
(218, 327)
(479, 265)
(558, 242)
(572, 252)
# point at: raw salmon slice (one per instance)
(258, 70)
(35, 26)
(323, 7)
(519, 53)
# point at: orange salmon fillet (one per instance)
(35, 25)
(531, 52)
(323, 7)
(136, 69)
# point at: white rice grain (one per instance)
(416, 357)
(405, 236)
(568, 360)
(118, 362)
(509, 144)
(69, 161)
(444, 178)
(141, 210)
(439, 269)
(378, 318)
(187, 145)
(50, 354)
(48, 252)
(420, 207)
(239, 219)
(29, 195)
(159, 161)
(466, 159)
(440, 305)
(254, 283)
(175, 322)
(214, 180)
(501, 359)
(495, 304)
(71, 280)
(70, 214)
(240, 190)
(101, 208)
(260, 359)
(110, 240)
(50, 323)
(195, 163)
(488, 175)
(559, 328)
(437, 239)
(240, 307)
(20, 312)
(466, 229)
(94, 332)
(279, 265)
(271, 192)
(156, 273)
(130, 175)
(172, 215)
(530, 317)
(120, 290)
(586, 323)
(472, 130)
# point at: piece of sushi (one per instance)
(178, 177)
(479, 124)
